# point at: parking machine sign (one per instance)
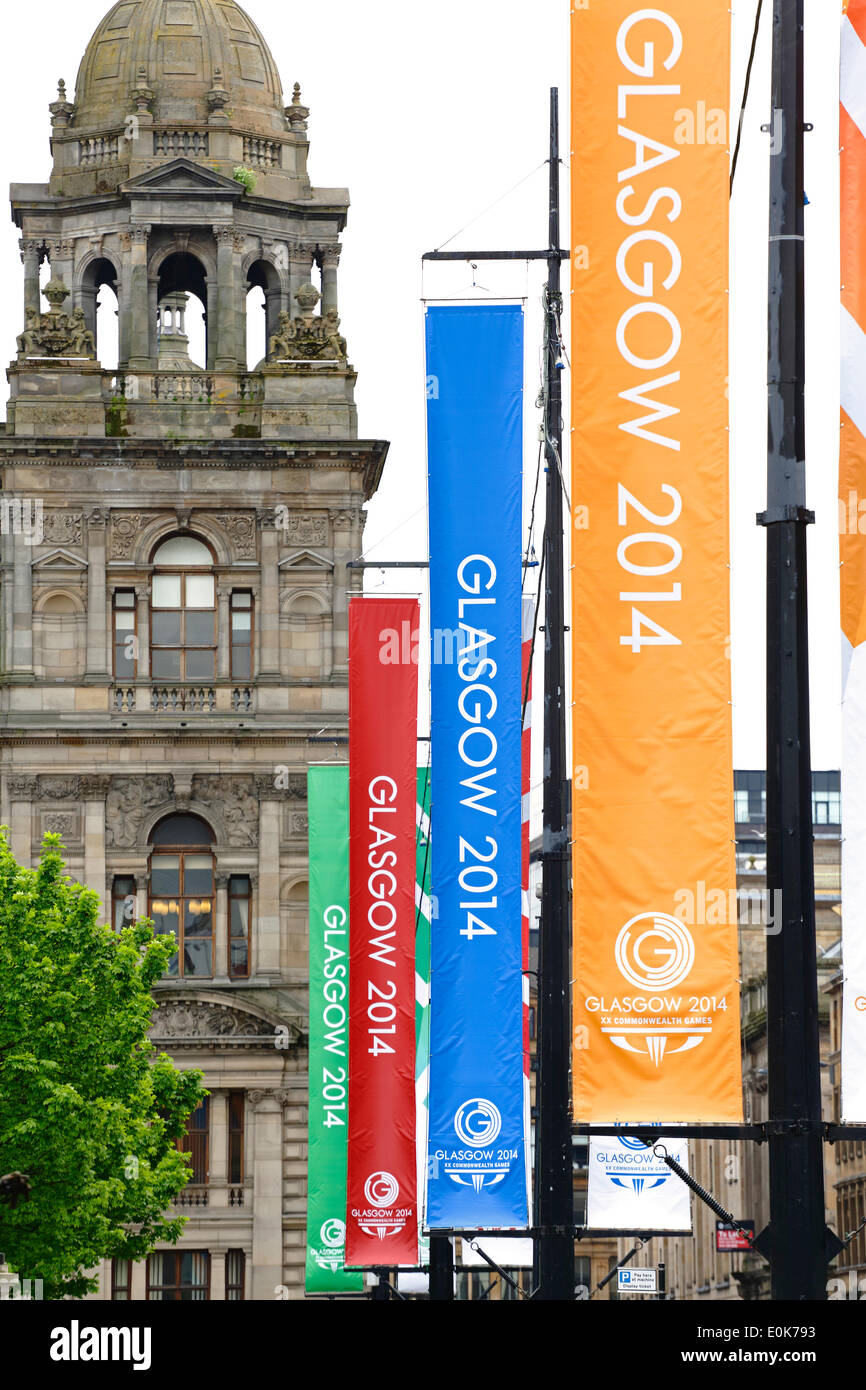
(638, 1281)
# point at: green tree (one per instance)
(87, 1110)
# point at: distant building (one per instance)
(736, 1172)
(174, 579)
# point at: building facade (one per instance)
(174, 578)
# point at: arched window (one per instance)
(182, 893)
(184, 613)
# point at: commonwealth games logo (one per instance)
(381, 1190)
(478, 1122)
(656, 952)
(333, 1234)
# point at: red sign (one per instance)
(382, 1213)
(731, 1238)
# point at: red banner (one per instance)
(382, 1215)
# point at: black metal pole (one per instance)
(441, 1270)
(797, 1233)
(554, 1201)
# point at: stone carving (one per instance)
(297, 114)
(59, 788)
(241, 531)
(309, 337)
(56, 334)
(125, 529)
(181, 1018)
(233, 798)
(62, 528)
(95, 788)
(21, 788)
(299, 824)
(302, 528)
(60, 823)
(129, 800)
(291, 784)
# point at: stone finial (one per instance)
(56, 293)
(142, 93)
(218, 97)
(61, 109)
(307, 297)
(297, 113)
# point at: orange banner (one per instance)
(656, 1002)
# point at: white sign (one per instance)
(632, 1190)
(508, 1252)
(638, 1281)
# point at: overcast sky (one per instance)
(430, 113)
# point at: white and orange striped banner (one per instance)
(852, 541)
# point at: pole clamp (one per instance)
(775, 514)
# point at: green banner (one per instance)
(328, 796)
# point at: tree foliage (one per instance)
(87, 1109)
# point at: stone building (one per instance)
(174, 578)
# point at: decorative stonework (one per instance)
(183, 1019)
(95, 788)
(241, 531)
(129, 801)
(233, 799)
(59, 788)
(125, 530)
(302, 528)
(62, 823)
(62, 528)
(308, 337)
(56, 334)
(283, 784)
(21, 788)
(299, 824)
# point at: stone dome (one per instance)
(185, 52)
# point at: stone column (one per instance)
(219, 1147)
(330, 259)
(211, 322)
(153, 317)
(267, 1262)
(61, 253)
(343, 524)
(141, 896)
(97, 668)
(224, 632)
(142, 594)
(22, 609)
(267, 905)
(93, 793)
(138, 1283)
(22, 793)
(268, 616)
(227, 355)
(218, 1275)
(31, 255)
(300, 270)
(124, 302)
(139, 300)
(221, 934)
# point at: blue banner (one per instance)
(477, 1161)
